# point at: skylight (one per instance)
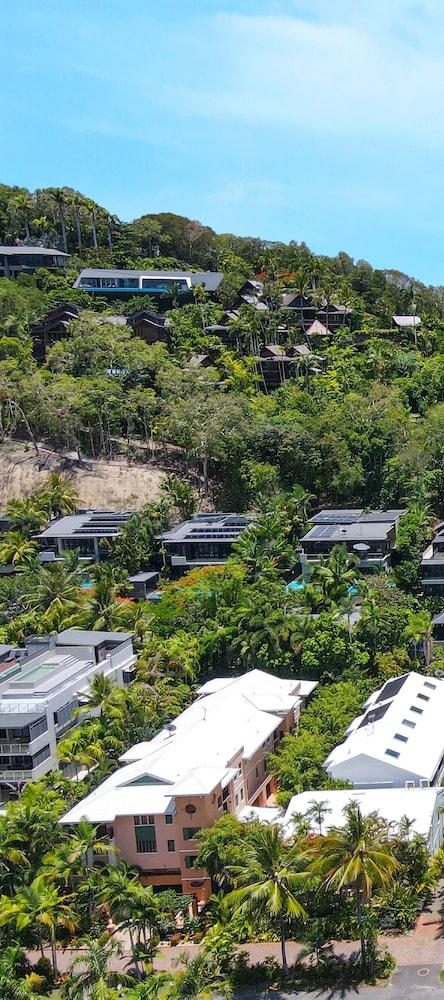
(409, 723)
(392, 753)
(399, 736)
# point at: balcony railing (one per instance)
(14, 748)
(15, 775)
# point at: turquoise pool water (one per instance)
(298, 585)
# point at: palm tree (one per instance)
(38, 906)
(43, 224)
(405, 826)
(95, 980)
(16, 550)
(81, 749)
(181, 495)
(199, 979)
(59, 495)
(59, 197)
(23, 206)
(77, 203)
(268, 880)
(92, 209)
(57, 590)
(85, 842)
(418, 629)
(317, 811)
(120, 892)
(336, 575)
(25, 516)
(101, 695)
(12, 853)
(102, 610)
(356, 856)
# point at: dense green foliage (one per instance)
(366, 428)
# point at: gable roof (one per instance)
(229, 719)
(401, 725)
(318, 329)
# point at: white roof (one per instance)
(401, 725)
(391, 804)
(407, 320)
(262, 814)
(195, 754)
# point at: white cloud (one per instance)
(350, 74)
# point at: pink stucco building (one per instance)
(212, 759)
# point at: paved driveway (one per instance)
(410, 982)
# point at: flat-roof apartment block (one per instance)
(212, 759)
(432, 565)
(40, 691)
(204, 540)
(369, 535)
(107, 281)
(15, 260)
(83, 532)
(398, 741)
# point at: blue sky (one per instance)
(315, 120)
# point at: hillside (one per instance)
(102, 484)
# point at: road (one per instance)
(409, 982)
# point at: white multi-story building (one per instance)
(398, 741)
(40, 689)
(212, 759)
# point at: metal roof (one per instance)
(211, 279)
(85, 637)
(8, 251)
(91, 524)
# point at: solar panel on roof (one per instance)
(373, 715)
(391, 688)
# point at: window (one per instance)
(219, 802)
(145, 833)
(392, 753)
(189, 860)
(169, 819)
(236, 800)
(257, 772)
(414, 708)
(65, 713)
(423, 697)
(409, 723)
(171, 846)
(38, 727)
(428, 684)
(241, 793)
(404, 739)
(42, 755)
(265, 766)
(189, 832)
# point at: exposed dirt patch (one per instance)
(104, 484)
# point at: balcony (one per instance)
(14, 748)
(19, 775)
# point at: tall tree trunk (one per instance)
(110, 237)
(361, 927)
(283, 948)
(78, 227)
(94, 230)
(54, 955)
(63, 229)
(27, 229)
